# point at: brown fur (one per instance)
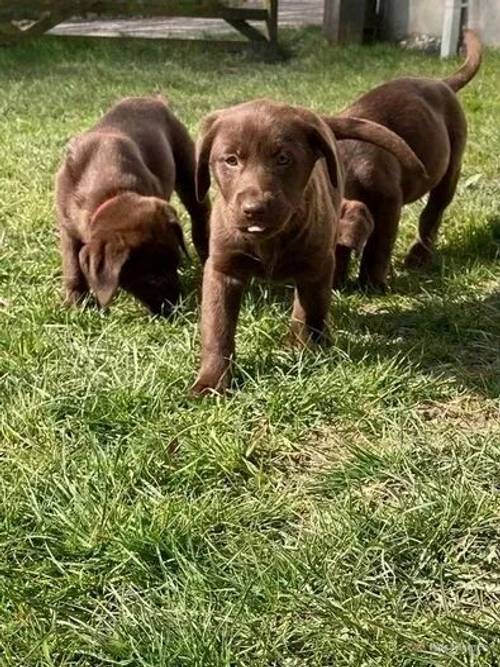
(355, 225)
(355, 228)
(427, 115)
(275, 216)
(112, 190)
(276, 169)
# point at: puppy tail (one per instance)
(473, 56)
(360, 129)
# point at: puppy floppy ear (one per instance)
(203, 149)
(176, 226)
(355, 225)
(101, 264)
(322, 142)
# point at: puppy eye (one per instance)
(283, 158)
(231, 160)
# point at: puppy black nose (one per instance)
(254, 208)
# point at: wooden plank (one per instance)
(25, 9)
(43, 18)
(331, 20)
(224, 44)
(17, 10)
(44, 23)
(272, 21)
(185, 8)
(344, 21)
(247, 30)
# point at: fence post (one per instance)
(451, 27)
(331, 20)
(272, 22)
(344, 21)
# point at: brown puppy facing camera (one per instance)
(275, 216)
(116, 226)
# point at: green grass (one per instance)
(341, 507)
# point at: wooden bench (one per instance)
(26, 18)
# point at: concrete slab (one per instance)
(291, 13)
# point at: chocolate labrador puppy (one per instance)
(112, 191)
(425, 113)
(280, 188)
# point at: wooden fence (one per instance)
(26, 18)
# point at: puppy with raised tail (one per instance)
(427, 115)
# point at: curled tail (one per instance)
(473, 51)
(360, 129)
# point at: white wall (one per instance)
(484, 15)
(427, 16)
(404, 17)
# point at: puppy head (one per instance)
(355, 225)
(262, 154)
(134, 241)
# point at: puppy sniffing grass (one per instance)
(112, 191)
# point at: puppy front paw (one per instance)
(74, 296)
(206, 385)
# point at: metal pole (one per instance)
(451, 27)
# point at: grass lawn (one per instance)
(341, 507)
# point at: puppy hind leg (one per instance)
(420, 251)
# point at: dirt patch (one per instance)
(465, 412)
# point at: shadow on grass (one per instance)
(482, 243)
(453, 340)
(45, 56)
(443, 335)
(42, 56)
(459, 339)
